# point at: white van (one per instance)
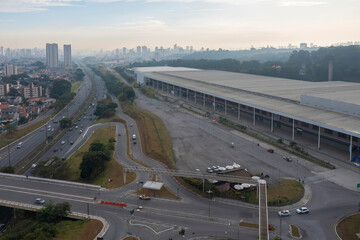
(19, 145)
(133, 137)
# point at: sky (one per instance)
(226, 24)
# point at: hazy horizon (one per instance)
(227, 24)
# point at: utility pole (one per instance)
(209, 192)
(8, 147)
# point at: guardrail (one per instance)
(50, 181)
(75, 215)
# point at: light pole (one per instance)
(209, 192)
(8, 147)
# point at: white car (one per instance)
(39, 201)
(302, 210)
(62, 142)
(284, 213)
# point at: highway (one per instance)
(163, 218)
(34, 139)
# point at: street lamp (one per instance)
(8, 147)
(209, 192)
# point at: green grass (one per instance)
(249, 225)
(75, 85)
(113, 169)
(348, 227)
(78, 230)
(294, 231)
(290, 191)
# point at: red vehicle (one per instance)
(119, 134)
(270, 150)
(134, 142)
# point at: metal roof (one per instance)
(276, 95)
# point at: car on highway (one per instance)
(288, 159)
(209, 170)
(19, 145)
(39, 201)
(284, 213)
(55, 150)
(144, 197)
(71, 142)
(270, 150)
(131, 124)
(134, 142)
(119, 134)
(33, 166)
(62, 142)
(302, 210)
(81, 131)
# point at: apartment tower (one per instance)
(52, 60)
(67, 55)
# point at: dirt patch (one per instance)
(348, 227)
(162, 193)
(91, 230)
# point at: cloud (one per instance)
(13, 6)
(301, 3)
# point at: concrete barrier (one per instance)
(52, 181)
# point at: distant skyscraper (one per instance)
(52, 60)
(67, 55)
(1, 51)
(138, 49)
(303, 45)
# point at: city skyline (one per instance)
(227, 24)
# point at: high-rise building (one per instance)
(138, 49)
(52, 60)
(1, 51)
(4, 89)
(67, 55)
(10, 70)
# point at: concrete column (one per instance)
(254, 118)
(214, 104)
(239, 111)
(319, 138)
(293, 130)
(124, 173)
(187, 94)
(350, 148)
(225, 108)
(272, 122)
(195, 97)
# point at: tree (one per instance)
(97, 146)
(7, 169)
(79, 74)
(13, 92)
(51, 213)
(59, 88)
(65, 122)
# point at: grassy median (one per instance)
(156, 142)
(113, 170)
(75, 85)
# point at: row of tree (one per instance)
(61, 91)
(302, 65)
(105, 108)
(115, 86)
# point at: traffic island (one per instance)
(295, 231)
(348, 227)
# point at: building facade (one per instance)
(4, 89)
(31, 91)
(67, 55)
(52, 60)
(10, 70)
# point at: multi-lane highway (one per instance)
(36, 138)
